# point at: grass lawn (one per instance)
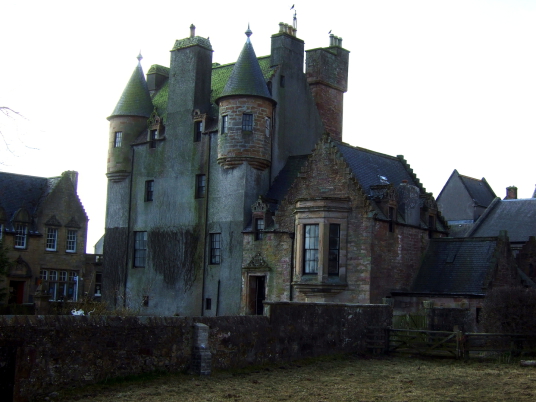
(347, 378)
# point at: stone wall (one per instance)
(54, 352)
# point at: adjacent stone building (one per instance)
(43, 226)
(229, 185)
(463, 200)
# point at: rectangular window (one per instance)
(334, 248)
(215, 248)
(98, 284)
(247, 122)
(140, 248)
(268, 125)
(149, 190)
(208, 303)
(21, 235)
(52, 239)
(153, 135)
(310, 247)
(391, 219)
(224, 124)
(62, 285)
(282, 81)
(71, 241)
(259, 227)
(200, 186)
(44, 275)
(118, 140)
(198, 130)
(1, 231)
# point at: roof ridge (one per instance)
(364, 149)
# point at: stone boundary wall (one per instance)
(54, 352)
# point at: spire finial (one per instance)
(140, 57)
(248, 32)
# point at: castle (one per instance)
(229, 185)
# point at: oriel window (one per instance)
(334, 248)
(310, 247)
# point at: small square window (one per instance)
(149, 190)
(247, 122)
(224, 126)
(118, 140)
(71, 241)
(52, 239)
(215, 248)
(198, 130)
(201, 186)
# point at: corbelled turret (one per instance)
(127, 121)
(246, 109)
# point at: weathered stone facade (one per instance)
(376, 254)
(49, 353)
(44, 228)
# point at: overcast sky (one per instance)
(448, 84)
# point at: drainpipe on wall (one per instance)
(128, 227)
(205, 227)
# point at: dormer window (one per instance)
(21, 235)
(198, 130)
(52, 239)
(153, 135)
(259, 228)
(247, 122)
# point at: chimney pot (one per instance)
(281, 27)
(192, 31)
(511, 193)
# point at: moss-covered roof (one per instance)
(192, 41)
(220, 76)
(247, 77)
(158, 69)
(135, 100)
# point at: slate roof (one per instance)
(21, 191)
(247, 77)
(518, 217)
(456, 266)
(369, 166)
(479, 190)
(135, 100)
(286, 177)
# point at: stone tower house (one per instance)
(191, 149)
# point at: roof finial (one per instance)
(140, 57)
(248, 32)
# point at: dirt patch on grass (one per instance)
(333, 379)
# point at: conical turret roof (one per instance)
(246, 78)
(135, 100)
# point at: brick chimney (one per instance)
(327, 74)
(511, 193)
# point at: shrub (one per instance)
(510, 310)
